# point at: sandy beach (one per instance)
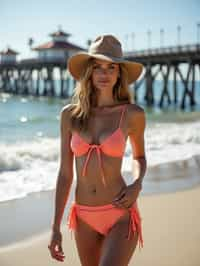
(171, 235)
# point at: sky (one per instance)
(22, 19)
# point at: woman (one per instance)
(94, 129)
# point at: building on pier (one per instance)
(58, 48)
(46, 74)
(8, 56)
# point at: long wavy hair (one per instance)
(85, 95)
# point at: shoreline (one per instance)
(171, 234)
(160, 178)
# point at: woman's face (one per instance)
(104, 74)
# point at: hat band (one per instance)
(113, 57)
(107, 53)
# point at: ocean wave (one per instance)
(161, 134)
(165, 142)
(172, 152)
(21, 155)
(41, 176)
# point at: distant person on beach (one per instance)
(104, 216)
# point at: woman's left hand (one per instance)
(128, 195)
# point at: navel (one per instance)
(93, 189)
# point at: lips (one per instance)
(103, 81)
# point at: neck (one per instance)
(106, 108)
(106, 103)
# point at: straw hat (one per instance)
(105, 47)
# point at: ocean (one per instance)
(30, 145)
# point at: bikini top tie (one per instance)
(113, 145)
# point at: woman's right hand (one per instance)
(55, 245)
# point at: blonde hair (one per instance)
(85, 95)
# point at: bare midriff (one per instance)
(90, 189)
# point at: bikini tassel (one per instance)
(135, 225)
(72, 222)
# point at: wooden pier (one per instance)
(166, 61)
(28, 76)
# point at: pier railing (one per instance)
(165, 50)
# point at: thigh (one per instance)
(88, 242)
(117, 249)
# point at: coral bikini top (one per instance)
(113, 145)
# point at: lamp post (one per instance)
(30, 42)
(126, 41)
(198, 33)
(161, 38)
(179, 35)
(88, 42)
(133, 40)
(149, 39)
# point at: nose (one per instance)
(104, 71)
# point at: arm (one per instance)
(65, 174)
(136, 128)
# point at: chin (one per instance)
(104, 86)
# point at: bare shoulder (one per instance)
(135, 117)
(65, 114)
(66, 110)
(135, 110)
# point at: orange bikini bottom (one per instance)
(102, 218)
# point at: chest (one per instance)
(103, 128)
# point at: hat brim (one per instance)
(78, 62)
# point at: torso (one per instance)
(90, 189)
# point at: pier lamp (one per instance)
(133, 40)
(88, 42)
(179, 35)
(149, 38)
(161, 38)
(126, 41)
(198, 33)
